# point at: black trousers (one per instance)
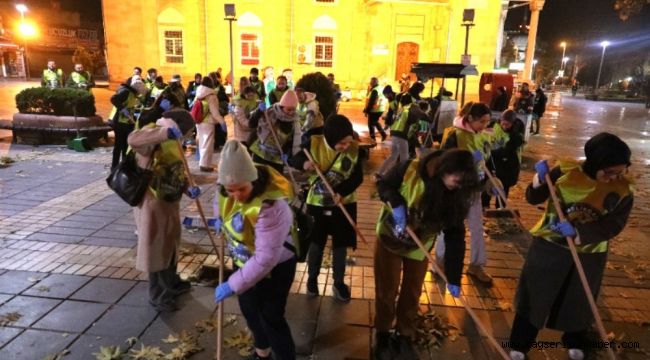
(373, 122)
(122, 132)
(263, 306)
(330, 221)
(524, 333)
(163, 284)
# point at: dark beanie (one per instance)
(388, 89)
(182, 118)
(605, 150)
(336, 128)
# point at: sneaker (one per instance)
(517, 355)
(181, 287)
(576, 354)
(382, 349)
(341, 292)
(479, 273)
(312, 288)
(405, 347)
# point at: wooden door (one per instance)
(407, 54)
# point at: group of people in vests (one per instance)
(430, 194)
(54, 78)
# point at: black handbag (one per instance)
(129, 181)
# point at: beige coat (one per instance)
(158, 221)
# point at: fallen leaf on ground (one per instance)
(170, 339)
(109, 353)
(43, 288)
(146, 353)
(9, 318)
(131, 341)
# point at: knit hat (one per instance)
(138, 85)
(255, 71)
(236, 165)
(605, 150)
(182, 118)
(336, 128)
(175, 78)
(289, 99)
(387, 90)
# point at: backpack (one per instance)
(197, 111)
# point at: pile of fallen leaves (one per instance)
(5, 161)
(502, 226)
(9, 318)
(242, 340)
(432, 329)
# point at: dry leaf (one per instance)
(9, 318)
(146, 353)
(33, 279)
(170, 339)
(131, 341)
(109, 353)
(43, 288)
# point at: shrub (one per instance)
(60, 102)
(325, 94)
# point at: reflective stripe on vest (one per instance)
(469, 141)
(267, 148)
(78, 78)
(239, 219)
(338, 172)
(130, 103)
(583, 200)
(412, 190)
(53, 79)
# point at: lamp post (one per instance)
(604, 44)
(532, 75)
(468, 22)
(535, 7)
(563, 45)
(231, 16)
(22, 9)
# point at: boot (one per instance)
(479, 274)
(406, 348)
(382, 349)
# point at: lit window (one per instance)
(173, 46)
(324, 51)
(250, 51)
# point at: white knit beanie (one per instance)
(236, 165)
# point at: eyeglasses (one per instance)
(615, 174)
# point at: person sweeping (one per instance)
(338, 155)
(252, 210)
(157, 217)
(597, 198)
(429, 195)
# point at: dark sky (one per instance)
(585, 23)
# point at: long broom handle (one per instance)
(331, 190)
(219, 250)
(500, 193)
(581, 270)
(462, 300)
(296, 189)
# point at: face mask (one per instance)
(165, 105)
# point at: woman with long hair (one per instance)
(429, 195)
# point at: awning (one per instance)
(427, 71)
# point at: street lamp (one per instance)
(26, 30)
(604, 44)
(563, 45)
(231, 16)
(468, 22)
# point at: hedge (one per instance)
(59, 102)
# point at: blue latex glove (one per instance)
(564, 227)
(193, 192)
(454, 290)
(224, 127)
(165, 104)
(217, 225)
(541, 167)
(477, 155)
(222, 292)
(399, 215)
(284, 157)
(262, 106)
(126, 112)
(174, 133)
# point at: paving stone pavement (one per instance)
(67, 254)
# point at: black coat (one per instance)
(539, 104)
(505, 160)
(550, 292)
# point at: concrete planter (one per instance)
(37, 129)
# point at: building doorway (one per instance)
(407, 53)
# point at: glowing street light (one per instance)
(563, 45)
(26, 29)
(534, 64)
(22, 9)
(604, 44)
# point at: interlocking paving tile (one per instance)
(7, 334)
(35, 344)
(86, 345)
(103, 290)
(30, 308)
(138, 295)
(123, 319)
(72, 316)
(57, 286)
(14, 282)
